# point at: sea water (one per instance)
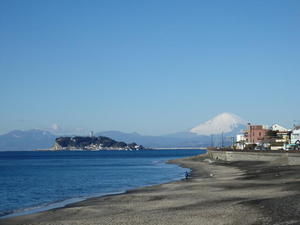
(35, 181)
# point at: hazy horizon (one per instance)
(152, 67)
(57, 130)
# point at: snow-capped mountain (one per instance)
(222, 123)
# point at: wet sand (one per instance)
(217, 193)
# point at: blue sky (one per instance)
(153, 67)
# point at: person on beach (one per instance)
(186, 174)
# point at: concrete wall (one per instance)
(283, 158)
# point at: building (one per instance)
(240, 138)
(92, 134)
(255, 134)
(295, 135)
(277, 138)
(240, 141)
(277, 127)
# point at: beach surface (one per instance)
(217, 193)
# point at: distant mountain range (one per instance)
(203, 135)
(19, 140)
(183, 139)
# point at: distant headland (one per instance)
(92, 143)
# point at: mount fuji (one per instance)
(222, 123)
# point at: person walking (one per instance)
(186, 174)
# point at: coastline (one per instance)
(156, 163)
(217, 193)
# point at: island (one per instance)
(92, 143)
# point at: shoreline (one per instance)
(44, 207)
(54, 205)
(217, 193)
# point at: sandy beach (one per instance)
(217, 193)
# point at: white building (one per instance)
(295, 136)
(277, 127)
(240, 137)
(240, 141)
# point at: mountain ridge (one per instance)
(203, 135)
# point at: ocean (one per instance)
(33, 181)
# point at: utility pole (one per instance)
(222, 140)
(212, 140)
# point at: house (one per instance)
(240, 141)
(277, 140)
(295, 135)
(277, 127)
(255, 134)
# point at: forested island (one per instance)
(92, 143)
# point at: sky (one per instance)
(153, 67)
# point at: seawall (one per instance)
(280, 157)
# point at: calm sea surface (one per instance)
(36, 181)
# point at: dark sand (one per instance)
(218, 193)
